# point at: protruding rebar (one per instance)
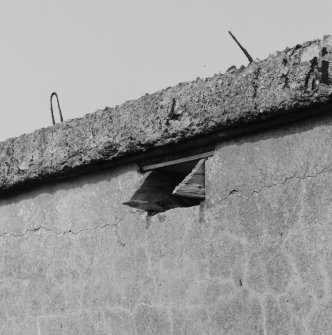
(242, 48)
(51, 101)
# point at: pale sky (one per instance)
(97, 53)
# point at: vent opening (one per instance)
(171, 184)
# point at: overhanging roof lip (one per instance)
(286, 82)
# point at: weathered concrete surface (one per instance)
(272, 194)
(255, 258)
(285, 83)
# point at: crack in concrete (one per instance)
(70, 231)
(324, 170)
(238, 194)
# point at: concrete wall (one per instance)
(255, 258)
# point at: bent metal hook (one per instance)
(51, 101)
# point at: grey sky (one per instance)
(101, 53)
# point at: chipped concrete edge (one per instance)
(284, 84)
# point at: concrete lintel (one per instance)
(282, 86)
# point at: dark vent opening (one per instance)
(171, 185)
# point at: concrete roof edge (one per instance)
(286, 82)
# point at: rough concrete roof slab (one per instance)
(286, 82)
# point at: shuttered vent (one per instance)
(171, 184)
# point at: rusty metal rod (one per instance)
(51, 101)
(241, 47)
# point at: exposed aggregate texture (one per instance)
(286, 82)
